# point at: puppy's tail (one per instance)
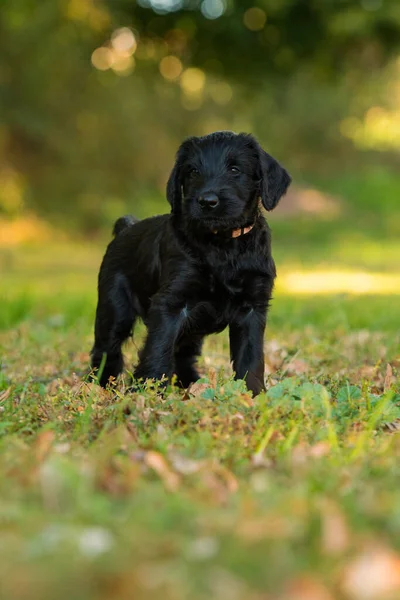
(122, 223)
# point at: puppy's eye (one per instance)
(193, 172)
(234, 170)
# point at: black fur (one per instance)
(184, 275)
(122, 223)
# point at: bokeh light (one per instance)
(170, 67)
(380, 129)
(162, 6)
(123, 40)
(102, 58)
(212, 9)
(193, 81)
(123, 65)
(255, 18)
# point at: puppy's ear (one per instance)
(274, 182)
(174, 191)
(174, 185)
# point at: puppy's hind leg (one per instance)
(187, 351)
(115, 317)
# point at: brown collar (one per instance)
(238, 232)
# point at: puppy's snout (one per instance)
(208, 201)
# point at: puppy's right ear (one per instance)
(174, 186)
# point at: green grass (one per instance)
(292, 495)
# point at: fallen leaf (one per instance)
(307, 588)
(44, 441)
(212, 376)
(237, 417)
(53, 387)
(302, 452)
(140, 402)
(259, 461)
(185, 466)
(246, 400)
(389, 379)
(132, 430)
(156, 461)
(393, 427)
(4, 395)
(335, 535)
(196, 389)
(320, 449)
(297, 367)
(373, 575)
(228, 478)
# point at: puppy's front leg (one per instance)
(157, 355)
(246, 336)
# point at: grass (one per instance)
(292, 495)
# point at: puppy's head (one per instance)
(217, 180)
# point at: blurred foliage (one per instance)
(254, 39)
(95, 96)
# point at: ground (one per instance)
(292, 495)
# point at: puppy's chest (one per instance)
(225, 285)
(224, 293)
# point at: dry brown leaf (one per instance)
(259, 461)
(228, 478)
(393, 427)
(117, 480)
(140, 402)
(320, 449)
(246, 400)
(389, 379)
(335, 536)
(373, 575)
(367, 371)
(4, 395)
(297, 367)
(156, 461)
(237, 417)
(82, 357)
(302, 452)
(198, 388)
(213, 484)
(94, 392)
(212, 376)
(53, 387)
(43, 443)
(307, 588)
(185, 466)
(218, 481)
(131, 429)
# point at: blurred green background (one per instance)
(96, 95)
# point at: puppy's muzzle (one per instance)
(208, 201)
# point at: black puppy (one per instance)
(204, 267)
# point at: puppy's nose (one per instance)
(208, 200)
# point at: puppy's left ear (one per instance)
(275, 180)
(174, 191)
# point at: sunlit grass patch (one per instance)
(331, 281)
